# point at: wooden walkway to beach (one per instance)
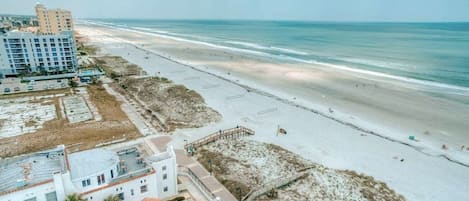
(276, 183)
(232, 133)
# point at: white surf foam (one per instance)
(420, 84)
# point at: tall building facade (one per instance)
(53, 20)
(25, 52)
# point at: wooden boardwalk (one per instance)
(232, 133)
(276, 183)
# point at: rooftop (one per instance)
(132, 163)
(30, 169)
(130, 160)
(162, 156)
(85, 163)
(21, 34)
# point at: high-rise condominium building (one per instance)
(53, 20)
(25, 52)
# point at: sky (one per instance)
(303, 10)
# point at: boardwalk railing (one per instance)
(276, 183)
(205, 190)
(231, 133)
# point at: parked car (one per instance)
(59, 81)
(30, 88)
(6, 90)
(17, 89)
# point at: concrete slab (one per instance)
(76, 109)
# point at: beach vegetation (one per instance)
(74, 197)
(73, 83)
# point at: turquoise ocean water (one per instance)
(436, 53)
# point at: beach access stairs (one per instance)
(232, 133)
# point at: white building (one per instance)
(25, 52)
(94, 174)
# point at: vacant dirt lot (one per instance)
(243, 165)
(79, 136)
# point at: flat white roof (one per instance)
(30, 169)
(90, 162)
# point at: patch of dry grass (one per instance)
(219, 167)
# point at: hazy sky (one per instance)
(310, 10)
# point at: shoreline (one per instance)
(289, 102)
(432, 148)
(317, 146)
(410, 82)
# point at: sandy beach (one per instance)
(338, 118)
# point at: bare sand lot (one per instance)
(58, 130)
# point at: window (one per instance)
(165, 176)
(164, 168)
(85, 183)
(31, 199)
(132, 192)
(143, 189)
(112, 172)
(101, 179)
(51, 196)
(165, 189)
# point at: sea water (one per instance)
(436, 53)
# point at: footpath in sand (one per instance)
(411, 173)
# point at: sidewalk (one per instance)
(132, 111)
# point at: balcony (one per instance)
(16, 41)
(16, 46)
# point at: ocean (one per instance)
(432, 53)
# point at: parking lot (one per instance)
(14, 85)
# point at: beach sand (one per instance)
(367, 131)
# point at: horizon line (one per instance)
(266, 20)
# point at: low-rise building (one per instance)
(130, 173)
(25, 52)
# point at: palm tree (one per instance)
(74, 197)
(112, 198)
